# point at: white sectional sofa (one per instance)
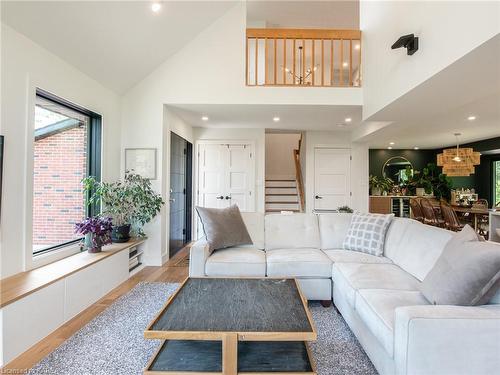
(378, 297)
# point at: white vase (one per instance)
(376, 191)
(420, 192)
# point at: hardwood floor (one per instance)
(174, 271)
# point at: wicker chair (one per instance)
(416, 210)
(430, 216)
(450, 218)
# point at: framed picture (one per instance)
(141, 161)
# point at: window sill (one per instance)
(22, 284)
(54, 255)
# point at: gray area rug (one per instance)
(113, 343)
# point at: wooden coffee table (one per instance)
(233, 326)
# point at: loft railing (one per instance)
(303, 57)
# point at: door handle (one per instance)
(172, 199)
(220, 197)
(228, 197)
(318, 197)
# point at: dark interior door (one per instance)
(180, 193)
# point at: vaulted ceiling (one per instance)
(117, 43)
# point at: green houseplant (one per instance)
(130, 202)
(379, 185)
(431, 181)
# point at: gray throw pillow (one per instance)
(367, 232)
(223, 227)
(466, 274)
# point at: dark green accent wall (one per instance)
(481, 181)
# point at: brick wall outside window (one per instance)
(60, 163)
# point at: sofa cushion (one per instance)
(223, 227)
(352, 277)
(291, 231)
(414, 246)
(366, 233)
(349, 256)
(376, 308)
(254, 222)
(467, 273)
(298, 263)
(333, 229)
(247, 261)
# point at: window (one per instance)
(66, 149)
(496, 182)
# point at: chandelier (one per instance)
(300, 79)
(458, 161)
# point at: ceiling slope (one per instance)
(117, 43)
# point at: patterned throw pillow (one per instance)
(367, 233)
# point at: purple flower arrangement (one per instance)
(97, 231)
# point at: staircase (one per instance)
(282, 195)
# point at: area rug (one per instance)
(113, 343)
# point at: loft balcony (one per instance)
(303, 57)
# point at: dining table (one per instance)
(471, 210)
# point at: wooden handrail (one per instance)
(298, 176)
(303, 57)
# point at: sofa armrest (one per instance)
(447, 339)
(198, 255)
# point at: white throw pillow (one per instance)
(366, 233)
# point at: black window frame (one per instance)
(94, 153)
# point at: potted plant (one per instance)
(379, 185)
(97, 232)
(345, 210)
(131, 202)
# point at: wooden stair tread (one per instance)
(281, 187)
(279, 210)
(283, 202)
(282, 195)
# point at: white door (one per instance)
(238, 176)
(211, 176)
(226, 176)
(332, 178)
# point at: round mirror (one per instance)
(395, 168)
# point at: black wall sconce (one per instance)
(410, 42)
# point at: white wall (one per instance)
(359, 166)
(25, 66)
(280, 162)
(256, 135)
(447, 30)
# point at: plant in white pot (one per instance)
(131, 203)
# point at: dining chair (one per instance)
(481, 203)
(429, 214)
(416, 210)
(450, 217)
(483, 221)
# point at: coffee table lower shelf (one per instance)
(254, 357)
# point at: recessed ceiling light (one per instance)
(155, 7)
(357, 46)
(345, 64)
(276, 118)
(391, 143)
(348, 119)
(471, 118)
(389, 148)
(204, 118)
(415, 148)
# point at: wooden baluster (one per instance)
(275, 61)
(246, 62)
(284, 61)
(322, 62)
(332, 62)
(293, 61)
(303, 60)
(256, 61)
(265, 63)
(341, 62)
(350, 62)
(312, 62)
(359, 63)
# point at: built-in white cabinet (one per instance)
(31, 318)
